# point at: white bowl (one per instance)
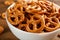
(31, 36)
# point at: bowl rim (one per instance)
(25, 31)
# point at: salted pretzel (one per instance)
(52, 25)
(35, 26)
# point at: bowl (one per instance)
(31, 36)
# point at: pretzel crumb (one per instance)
(1, 29)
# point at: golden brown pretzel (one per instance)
(52, 25)
(36, 26)
(22, 27)
(15, 17)
(8, 2)
(47, 5)
(19, 7)
(47, 19)
(32, 7)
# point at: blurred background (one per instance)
(6, 34)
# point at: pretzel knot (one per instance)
(36, 26)
(52, 25)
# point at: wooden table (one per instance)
(7, 35)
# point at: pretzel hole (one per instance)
(31, 26)
(19, 8)
(59, 10)
(28, 4)
(23, 28)
(27, 15)
(57, 15)
(35, 18)
(31, 14)
(59, 20)
(23, 9)
(45, 30)
(19, 17)
(13, 18)
(46, 20)
(16, 25)
(53, 19)
(52, 26)
(36, 7)
(24, 22)
(12, 13)
(47, 14)
(38, 25)
(49, 9)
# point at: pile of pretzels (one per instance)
(34, 16)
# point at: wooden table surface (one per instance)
(7, 35)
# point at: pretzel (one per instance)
(52, 14)
(52, 25)
(22, 27)
(37, 26)
(27, 15)
(47, 5)
(3, 15)
(15, 18)
(8, 2)
(19, 7)
(32, 7)
(47, 19)
(42, 4)
(23, 24)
